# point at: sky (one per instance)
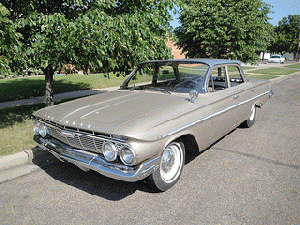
(281, 8)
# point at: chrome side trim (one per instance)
(257, 96)
(214, 114)
(91, 161)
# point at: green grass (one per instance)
(248, 67)
(16, 131)
(273, 71)
(29, 87)
(295, 66)
(264, 77)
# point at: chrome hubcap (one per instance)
(167, 161)
(171, 162)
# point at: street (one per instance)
(251, 176)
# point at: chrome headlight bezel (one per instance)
(36, 125)
(110, 151)
(43, 131)
(39, 128)
(127, 155)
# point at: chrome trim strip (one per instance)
(91, 161)
(243, 102)
(212, 115)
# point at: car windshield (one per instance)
(168, 76)
(275, 56)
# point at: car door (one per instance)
(225, 101)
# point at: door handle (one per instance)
(251, 89)
(236, 97)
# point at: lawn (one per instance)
(273, 71)
(16, 131)
(264, 77)
(29, 87)
(295, 66)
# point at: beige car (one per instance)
(144, 129)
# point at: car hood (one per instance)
(121, 112)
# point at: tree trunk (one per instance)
(49, 85)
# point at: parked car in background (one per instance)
(144, 129)
(276, 59)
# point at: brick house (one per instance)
(176, 52)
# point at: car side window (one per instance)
(218, 79)
(235, 77)
(223, 77)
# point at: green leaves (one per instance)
(10, 46)
(224, 29)
(95, 35)
(285, 36)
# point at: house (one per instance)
(176, 52)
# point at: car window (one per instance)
(220, 81)
(169, 77)
(235, 77)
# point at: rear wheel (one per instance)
(251, 120)
(170, 167)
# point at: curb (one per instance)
(20, 158)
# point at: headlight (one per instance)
(39, 128)
(110, 151)
(127, 156)
(42, 130)
(36, 125)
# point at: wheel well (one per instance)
(191, 147)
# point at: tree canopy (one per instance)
(9, 44)
(95, 35)
(286, 35)
(232, 29)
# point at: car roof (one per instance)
(209, 62)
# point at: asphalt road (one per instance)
(251, 176)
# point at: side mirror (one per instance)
(193, 95)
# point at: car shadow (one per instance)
(91, 181)
(95, 183)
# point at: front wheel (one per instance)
(170, 167)
(250, 121)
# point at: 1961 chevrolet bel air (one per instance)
(143, 129)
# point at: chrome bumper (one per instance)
(92, 161)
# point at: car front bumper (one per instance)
(86, 160)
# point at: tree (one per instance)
(286, 35)
(9, 41)
(95, 35)
(231, 29)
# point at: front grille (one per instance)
(78, 139)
